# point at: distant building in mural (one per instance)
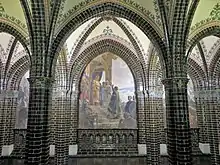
(23, 100)
(107, 95)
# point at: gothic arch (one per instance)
(201, 33)
(106, 45)
(123, 27)
(214, 65)
(117, 48)
(112, 39)
(17, 71)
(110, 9)
(196, 71)
(18, 34)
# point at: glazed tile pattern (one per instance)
(171, 48)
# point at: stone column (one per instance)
(202, 115)
(178, 127)
(74, 117)
(141, 117)
(8, 114)
(62, 128)
(212, 96)
(37, 140)
(52, 117)
(154, 128)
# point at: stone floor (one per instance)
(201, 160)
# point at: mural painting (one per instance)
(192, 105)
(23, 101)
(107, 97)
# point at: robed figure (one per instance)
(130, 107)
(114, 106)
(96, 91)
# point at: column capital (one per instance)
(178, 82)
(41, 81)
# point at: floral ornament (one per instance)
(2, 8)
(215, 13)
(107, 31)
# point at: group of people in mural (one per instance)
(100, 103)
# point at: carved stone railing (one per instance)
(101, 141)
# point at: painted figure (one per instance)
(84, 89)
(108, 93)
(130, 107)
(102, 93)
(114, 106)
(96, 89)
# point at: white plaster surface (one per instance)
(73, 150)
(7, 150)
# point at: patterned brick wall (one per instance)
(108, 142)
(9, 105)
(45, 43)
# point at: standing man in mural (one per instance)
(127, 106)
(96, 90)
(102, 93)
(114, 106)
(130, 107)
(107, 93)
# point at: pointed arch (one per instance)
(102, 9)
(200, 33)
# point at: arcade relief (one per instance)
(107, 99)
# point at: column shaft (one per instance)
(62, 129)
(178, 128)
(37, 139)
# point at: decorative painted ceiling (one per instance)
(11, 12)
(11, 50)
(108, 28)
(149, 5)
(207, 14)
(206, 47)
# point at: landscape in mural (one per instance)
(107, 97)
(23, 100)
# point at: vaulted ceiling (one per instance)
(207, 10)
